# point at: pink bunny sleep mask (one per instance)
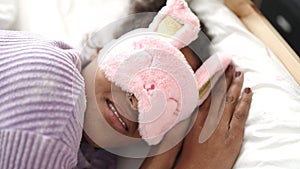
(148, 63)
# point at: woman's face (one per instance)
(118, 110)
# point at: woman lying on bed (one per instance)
(43, 103)
(195, 62)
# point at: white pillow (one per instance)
(67, 20)
(8, 13)
(272, 134)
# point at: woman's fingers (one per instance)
(232, 96)
(203, 111)
(225, 143)
(201, 116)
(229, 74)
(240, 114)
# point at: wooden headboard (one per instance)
(262, 28)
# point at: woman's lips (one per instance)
(116, 113)
(115, 118)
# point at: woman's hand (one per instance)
(222, 148)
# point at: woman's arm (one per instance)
(162, 161)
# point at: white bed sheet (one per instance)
(272, 135)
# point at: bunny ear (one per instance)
(177, 22)
(210, 72)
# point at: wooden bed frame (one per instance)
(261, 28)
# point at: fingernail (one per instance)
(237, 74)
(230, 67)
(247, 90)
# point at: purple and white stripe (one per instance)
(42, 102)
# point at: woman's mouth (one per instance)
(115, 112)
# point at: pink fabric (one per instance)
(180, 11)
(152, 67)
(211, 71)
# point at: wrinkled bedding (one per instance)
(272, 135)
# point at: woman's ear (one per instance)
(192, 59)
(94, 55)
